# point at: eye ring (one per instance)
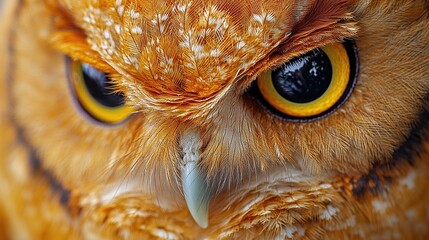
(93, 92)
(329, 101)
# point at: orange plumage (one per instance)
(187, 70)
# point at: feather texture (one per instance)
(361, 172)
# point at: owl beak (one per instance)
(196, 195)
(194, 185)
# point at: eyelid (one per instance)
(277, 58)
(74, 44)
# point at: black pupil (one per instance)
(100, 87)
(304, 79)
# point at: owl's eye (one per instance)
(94, 92)
(311, 85)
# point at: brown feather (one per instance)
(359, 173)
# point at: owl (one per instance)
(214, 119)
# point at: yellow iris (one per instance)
(339, 59)
(96, 109)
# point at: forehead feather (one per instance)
(186, 51)
(202, 46)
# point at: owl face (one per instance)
(204, 105)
